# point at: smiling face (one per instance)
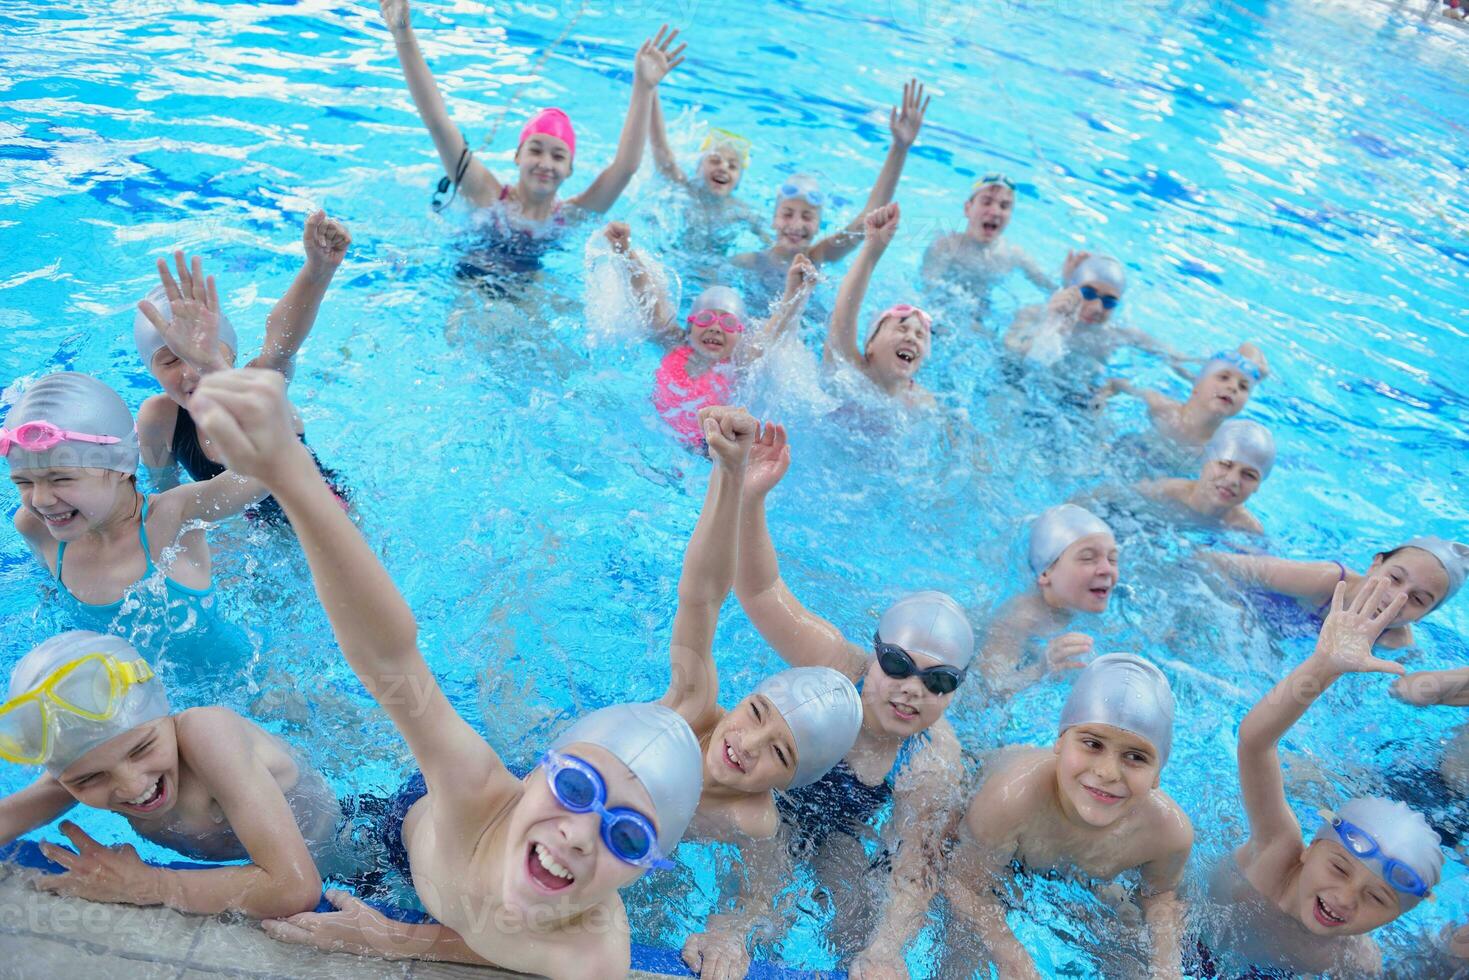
(1338, 895)
(752, 749)
(1103, 773)
(988, 210)
(71, 500)
(1223, 393)
(544, 162)
(135, 774)
(1083, 578)
(1418, 574)
(557, 858)
(901, 706)
(177, 378)
(898, 348)
(712, 343)
(720, 168)
(796, 223)
(1226, 483)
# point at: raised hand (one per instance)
(881, 224)
(1346, 639)
(1064, 652)
(619, 235)
(326, 241)
(730, 432)
(801, 274)
(769, 459)
(1254, 354)
(1065, 303)
(716, 956)
(395, 14)
(907, 119)
(98, 873)
(245, 415)
(655, 60)
(193, 301)
(1073, 259)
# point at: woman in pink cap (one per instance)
(529, 207)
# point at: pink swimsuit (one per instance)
(679, 397)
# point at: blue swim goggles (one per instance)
(810, 195)
(579, 787)
(1237, 361)
(1363, 847)
(1108, 302)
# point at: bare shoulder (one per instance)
(1242, 520)
(745, 260)
(157, 411)
(1169, 827)
(212, 722)
(1018, 788)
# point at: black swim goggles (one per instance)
(897, 664)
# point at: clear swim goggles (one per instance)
(91, 687)
(38, 436)
(579, 787)
(722, 137)
(1362, 846)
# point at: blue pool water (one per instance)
(1286, 172)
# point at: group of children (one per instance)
(522, 870)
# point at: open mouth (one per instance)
(990, 227)
(1102, 796)
(906, 354)
(712, 342)
(720, 179)
(1226, 400)
(905, 712)
(545, 872)
(1225, 493)
(730, 759)
(1327, 916)
(1101, 592)
(60, 519)
(151, 799)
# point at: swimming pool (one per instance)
(1284, 172)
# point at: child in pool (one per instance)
(73, 455)
(900, 337)
(800, 201)
(1237, 459)
(1220, 392)
(205, 782)
(529, 208)
(181, 337)
(1090, 804)
(1073, 556)
(698, 370)
(717, 217)
(1426, 570)
(905, 754)
(1308, 909)
(976, 259)
(519, 874)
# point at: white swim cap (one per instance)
(1102, 269)
(660, 749)
(1453, 556)
(1400, 833)
(930, 623)
(150, 341)
(1244, 442)
(824, 711)
(1127, 692)
(1057, 529)
(73, 735)
(77, 403)
(721, 299)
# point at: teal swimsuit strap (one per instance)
(143, 538)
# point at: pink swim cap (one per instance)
(551, 122)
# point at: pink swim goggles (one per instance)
(903, 310)
(727, 322)
(37, 437)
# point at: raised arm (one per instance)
(654, 61)
(841, 332)
(1003, 662)
(292, 318)
(801, 279)
(1032, 270)
(709, 569)
(904, 122)
(35, 806)
(1344, 646)
(246, 415)
(474, 179)
(663, 157)
(648, 290)
(799, 636)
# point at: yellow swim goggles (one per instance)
(90, 687)
(723, 137)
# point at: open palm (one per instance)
(907, 119)
(655, 60)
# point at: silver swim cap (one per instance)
(1057, 529)
(662, 752)
(1101, 269)
(78, 403)
(824, 711)
(150, 341)
(1400, 833)
(75, 736)
(1453, 556)
(1245, 442)
(1231, 360)
(1127, 692)
(930, 623)
(722, 299)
